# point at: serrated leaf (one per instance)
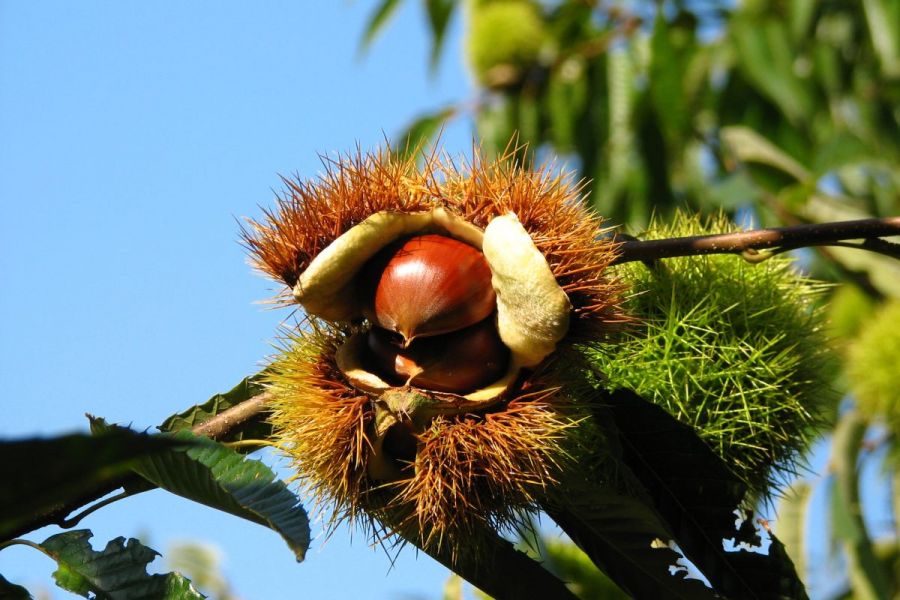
(39, 475)
(212, 474)
(377, 21)
(420, 132)
(11, 591)
(697, 496)
(118, 572)
(439, 13)
(200, 413)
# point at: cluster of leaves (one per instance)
(78, 468)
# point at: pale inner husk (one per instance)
(532, 309)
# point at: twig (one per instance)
(778, 238)
(219, 426)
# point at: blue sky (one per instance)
(134, 136)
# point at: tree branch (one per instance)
(778, 238)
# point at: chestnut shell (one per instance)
(457, 362)
(428, 285)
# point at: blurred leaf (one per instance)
(800, 15)
(453, 588)
(570, 564)
(883, 20)
(749, 146)
(566, 96)
(529, 121)
(200, 413)
(41, 475)
(697, 496)
(11, 591)
(866, 575)
(792, 516)
(377, 21)
(667, 74)
(202, 564)
(117, 572)
(417, 136)
(439, 13)
(211, 474)
(496, 125)
(841, 150)
(765, 53)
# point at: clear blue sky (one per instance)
(134, 134)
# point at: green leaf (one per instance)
(697, 496)
(884, 27)
(41, 475)
(667, 79)
(420, 132)
(11, 591)
(867, 576)
(569, 563)
(211, 474)
(749, 146)
(439, 13)
(566, 98)
(791, 523)
(764, 51)
(377, 21)
(200, 413)
(119, 572)
(626, 539)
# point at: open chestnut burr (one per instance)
(432, 312)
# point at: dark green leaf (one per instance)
(867, 576)
(417, 136)
(195, 415)
(565, 100)
(764, 52)
(697, 495)
(667, 74)
(439, 13)
(118, 572)
(379, 18)
(11, 591)
(212, 474)
(626, 539)
(40, 475)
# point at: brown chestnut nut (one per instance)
(428, 285)
(458, 362)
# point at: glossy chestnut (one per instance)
(428, 285)
(457, 362)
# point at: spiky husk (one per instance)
(472, 472)
(733, 349)
(873, 367)
(310, 215)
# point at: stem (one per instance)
(778, 238)
(219, 426)
(215, 428)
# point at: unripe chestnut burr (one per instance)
(428, 285)
(458, 362)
